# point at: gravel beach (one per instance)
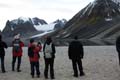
(99, 63)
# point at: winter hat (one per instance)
(31, 40)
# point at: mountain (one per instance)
(60, 23)
(50, 28)
(98, 21)
(30, 28)
(37, 21)
(24, 26)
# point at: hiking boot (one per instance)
(46, 77)
(13, 70)
(82, 74)
(38, 76)
(18, 70)
(32, 76)
(52, 77)
(75, 75)
(3, 71)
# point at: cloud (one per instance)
(49, 10)
(4, 5)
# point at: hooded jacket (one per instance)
(19, 53)
(36, 50)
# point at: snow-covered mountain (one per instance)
(24, 26)
(52, 26)
(98, 21)
(39, 24)
(30, 27)
(49, 28)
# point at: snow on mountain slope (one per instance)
(20, 20)
(41, 34)
(24, 19)
(45, 27)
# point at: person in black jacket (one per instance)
(2, 53)
(75, 53)
(49, 55)
(118, 48)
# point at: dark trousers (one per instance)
(49, 63)
(35, 66)
(2, 63)
(75, 64)
(18, 64)
(119, 57)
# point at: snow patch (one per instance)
(86, 9)
(108, 19)
(91, 9)
(57, 36)
(66, 35)
(113, 10)
(45, 27)
(32, 21)
(15, 21)
(12, 29)
(64, 32)
(42, 34)
(24, 19)
(119, 9)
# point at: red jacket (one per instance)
(19, 53)
(36, 51)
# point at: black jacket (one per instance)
(75, 50)
(2, 46)
(118, 44)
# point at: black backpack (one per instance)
(16, 45)
(1, 48)
(30, 52)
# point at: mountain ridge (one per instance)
(99, 20)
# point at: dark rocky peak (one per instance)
(59, 23)
(99, 20)
(20, 20)
(101, 8)
(37, 21)
(18, 26)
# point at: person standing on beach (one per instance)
(118, 48)
(17, 45)
(33, 53)
(2, 53)
(75, 53)
(49, 55)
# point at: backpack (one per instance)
(1, 48)
(30, 52)
(48, 51)
(16, 45)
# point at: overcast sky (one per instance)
(49, 10)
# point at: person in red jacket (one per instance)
(33, 53)
(17, 45)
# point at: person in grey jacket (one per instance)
(49, 55)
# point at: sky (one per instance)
(49, 10)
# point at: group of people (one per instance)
(49, 55)
(33, 53)
(75, 54)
